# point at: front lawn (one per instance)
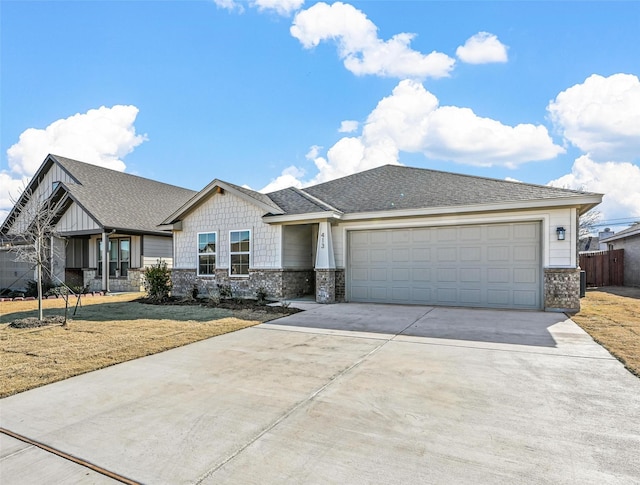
(611, 315)
(105, 331)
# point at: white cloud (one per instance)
(290, 177)
(281, 7)
(229, 5)
(348, 126)
(100, 136)
(359, 46)
(482, 48)
(619, 181)
(511, 179)
(11, 189)
(313, 152)
(411, 120)
(601, 116)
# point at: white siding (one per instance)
(146, 262)
(297, 251)
(222, 213)
(558, 254)
(75, 219)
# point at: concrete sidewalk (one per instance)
(345, 393)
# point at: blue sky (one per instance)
(271, 93)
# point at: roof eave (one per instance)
(305, 218)
(621, 235)
(583, 203)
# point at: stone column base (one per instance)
(326, 285)
(562, 290)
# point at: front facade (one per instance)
(387, 235)
(105, 227)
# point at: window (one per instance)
(119, 257)
(206, 253)
(239, 252)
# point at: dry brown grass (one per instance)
(611, 315)
(106, 331)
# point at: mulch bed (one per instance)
(34, 322)
(228, 304)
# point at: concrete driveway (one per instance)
(346, 393)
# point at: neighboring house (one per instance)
(391, 234)
(588, 243)
(13, 274)
(106, 224)
(629, 240)
(602, 235)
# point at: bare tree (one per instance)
(33, 229)
(587, 222)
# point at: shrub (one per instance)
(225, 291)
(261, 295)
(157, 281)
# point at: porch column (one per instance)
(325, 265)
(105, 262)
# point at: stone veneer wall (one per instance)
(277, 283)
(134, 281)
(325, 285)
(340, 285)
(562, 289)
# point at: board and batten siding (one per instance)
(555, 254)
(76, 219)
(42, 191)
(222, 213)
(297, 250)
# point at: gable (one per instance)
(222, 213)
(42, 186)
(76, 219)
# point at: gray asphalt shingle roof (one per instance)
(120, 200)
(394, 187)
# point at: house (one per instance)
(106, 223)
(392, 234)
(629, 240)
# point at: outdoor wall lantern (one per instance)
(560, 231)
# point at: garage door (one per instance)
(491, 265)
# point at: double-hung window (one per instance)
(239, 252)
(206, 253)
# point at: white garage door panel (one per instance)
(491, 265)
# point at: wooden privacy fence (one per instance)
(604, 268)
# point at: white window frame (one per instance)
(198, 253)
(232, 253)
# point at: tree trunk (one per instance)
(39, 282)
